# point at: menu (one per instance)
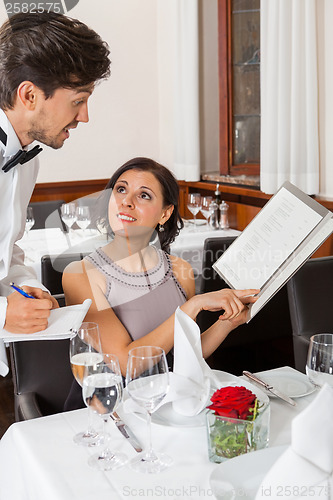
(276, 243)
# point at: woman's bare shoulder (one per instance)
(78, 266)
(184, 274)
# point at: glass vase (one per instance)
(231, 437)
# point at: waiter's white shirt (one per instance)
(16, 187)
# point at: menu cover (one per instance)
(276, 243)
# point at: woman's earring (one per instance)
(161, 228)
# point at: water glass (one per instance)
(68, 214)
(83, 218)
(84, 351)
(102, 392)
(147, 382)
(319, 366)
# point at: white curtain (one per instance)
(289, 95)
(186, 91)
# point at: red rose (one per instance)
(233, 402)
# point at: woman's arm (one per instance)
(82, 280)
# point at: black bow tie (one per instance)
(21, 157)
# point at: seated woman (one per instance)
(134, 285)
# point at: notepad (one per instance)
(61, 323)
(276, 243)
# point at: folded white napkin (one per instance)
(192, 379)
(190, 368)
(305, 469)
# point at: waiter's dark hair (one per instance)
(170, 192)
(50, 50)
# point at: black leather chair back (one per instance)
(42, 377)
(263, 343)
(47, 214)
(52, 267)
(310, 294)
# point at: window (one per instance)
(239, 82)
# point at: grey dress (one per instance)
(141, 301)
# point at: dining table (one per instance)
(188, 244)
(39, 459)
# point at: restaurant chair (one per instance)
(52, 267)
(42, 377)
(265, 342)
(47, 214)
(310, 294)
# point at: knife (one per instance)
(126, 431)
(269, 388)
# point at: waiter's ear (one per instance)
(27, 94)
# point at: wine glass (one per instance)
(85, 350)
(102, 392)
(319, 365)
(30, 220)
(194, 205)
(147, 382)
(83, 218)
(68, 214)
(206, 208)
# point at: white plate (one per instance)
(165, 415)
(293, 384)
(240, 477)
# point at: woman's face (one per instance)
(136, 204)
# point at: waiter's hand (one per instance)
(25, 315)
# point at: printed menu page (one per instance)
(284, 234)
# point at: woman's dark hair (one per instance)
(170, 192)
(50, 50)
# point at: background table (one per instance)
(39, 460)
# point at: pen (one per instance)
(21, 291)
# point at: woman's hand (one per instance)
(232, 302)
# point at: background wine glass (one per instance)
(206, 208)
(102, 392)
(147, 382)
(68, 214)
(29, 221)
(194, 205)
(83, 218)
(85, 350)
(319, 365)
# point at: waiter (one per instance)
(49, 65)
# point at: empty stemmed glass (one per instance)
(147, 382)
(206, 208)
(68, 214)
(194, 205)
(30, 220)
(102, 392)
(319, 365)
(83, 218)
(84, 351)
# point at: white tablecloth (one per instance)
(39, 460)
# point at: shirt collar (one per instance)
(13, 144)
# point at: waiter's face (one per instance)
(55, 116)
